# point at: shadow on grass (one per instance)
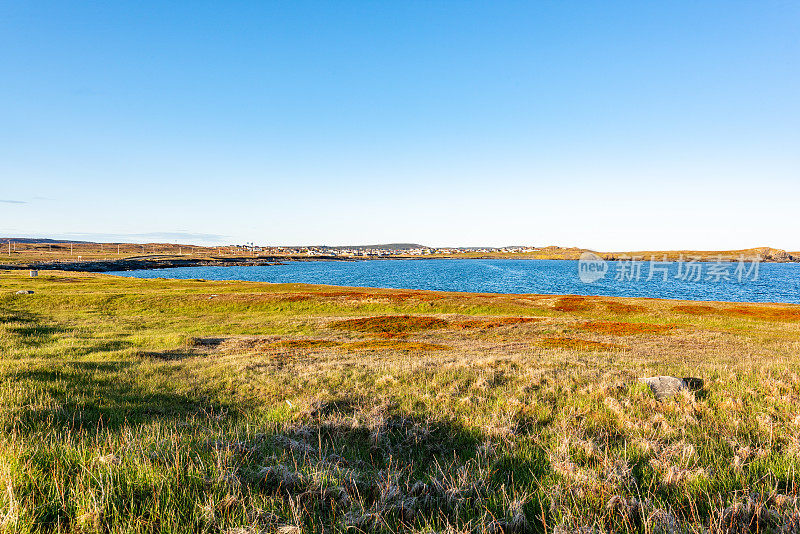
(29, 328)
(210, 342)
(348, 465)
(100, 347)
(92, 396)
(166, 355)
(37, 335)
(7, 317)
(398, 467)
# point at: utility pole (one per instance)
(70, 249)
(117, 250)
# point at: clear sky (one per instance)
(609, 125)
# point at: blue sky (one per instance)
(610, 125)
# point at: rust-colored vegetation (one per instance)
(347, 295)
(468, 324)
(573, 303)
(424, 296)
(390, 324)
(761, 313)
(695, 309)
(621, 307)
(625, 329)
(577, 344)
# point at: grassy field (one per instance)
(189, 406)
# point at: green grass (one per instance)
(188, 406)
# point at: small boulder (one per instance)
(25, 292)
(664, 387)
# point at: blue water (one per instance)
(774, 282)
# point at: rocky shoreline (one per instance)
(136, 264)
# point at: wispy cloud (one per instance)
(4, 201)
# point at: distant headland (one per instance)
(31, 253)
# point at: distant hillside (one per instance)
(36, 240)
(767, 254)
(386, 246)
(763, 253)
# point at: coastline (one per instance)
(156, 261)
(149, 262)
(322, 290)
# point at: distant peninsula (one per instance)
(31, 253)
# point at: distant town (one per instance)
(24, 251)
(375, 251)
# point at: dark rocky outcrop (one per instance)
(135, 264)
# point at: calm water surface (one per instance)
(776, 282)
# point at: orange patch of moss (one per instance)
(573, 303)
(391, 335)
(418, 295)
(329, 295)
(390, 324)
(625, 329)
(695, 309)
(621, 307)
(467, 324)
(577, 344)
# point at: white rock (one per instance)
(664, 387)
